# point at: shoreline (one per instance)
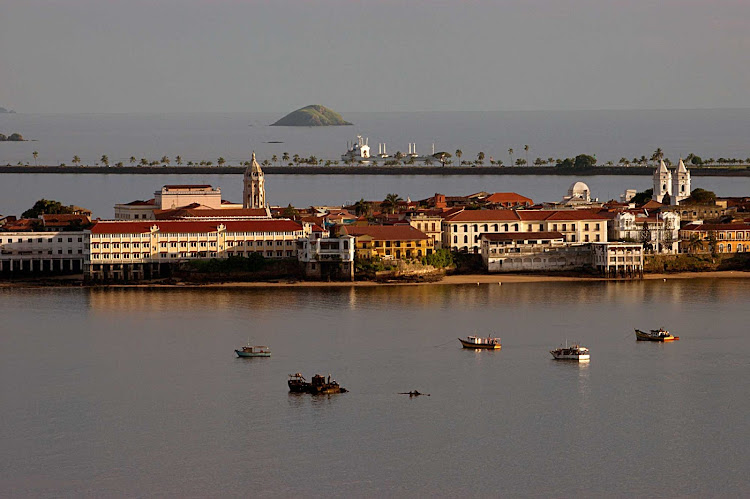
(452, 280)
(369, 170)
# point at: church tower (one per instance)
(662, 183)
(254, 191)
(680, 184)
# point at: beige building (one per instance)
(432, 225)
(462, 231)
(532, 251)
(127, 250)
(172, 197)
(618, 259)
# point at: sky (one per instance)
(124, 56)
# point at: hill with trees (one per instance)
(313, 115)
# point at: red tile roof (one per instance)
(522, 236)
(386, 232)
(187, 186)
(524, 215)
(483, 215)
(575, 215)
(197, 211)
(203, 226)
(717, 227)
(507, 197)
(138, 202)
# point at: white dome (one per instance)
(579, 190)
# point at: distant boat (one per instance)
(655, 335)
(479, 342)
(297, 383)
(318, 386)
(572, 352)
(253, 351)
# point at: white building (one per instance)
(42, 252)
(618, 259)
(578, 193)
(171, 197)
(675, 185)
(661, 231)
(532, 251)
(358, 152)
(327, 257)
(254, 186)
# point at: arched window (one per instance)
(485, 227)
(466, 228)
(505, 227)
(476, 228)
(721, 248)
(729, 248)
(455, 239)
(496, 229)
(515, 227)
(466, 239)
(664, 187)
(739, 248)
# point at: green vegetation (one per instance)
(254, 263)
(696, 263)
(313, 115)
(46, 206)
(642, 197)
(390, 203)
(368, 267)
(13, 137)
(439, 259)
(701, 196)
(580, 161)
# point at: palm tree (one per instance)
(526, 148)
(361, 207)
(165, 160)
(221, 161)
(132, 160)
(480, 158)
(178, 160)
(390, 203)
(275, 159)
(36, 155)
(658, 155)
(510, 153)
(459, 153)
(76, 160)
(144, 162)
(285, 157)
(105, 160)
(694, 244)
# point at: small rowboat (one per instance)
(479, 342)
(655, 335)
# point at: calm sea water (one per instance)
(607, 134)
(138, 393)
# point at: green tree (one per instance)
(36, 155)
(361, 207)
(565, 163)
(105, 159)
(658, 155)
(164, 160)
(178, 160)
(701, 196)
(642, 197)
(390, 203)
(221, 161)
(132, 160)
(118, 164)
(480, 158)
(584, 161)
(285, 157)
(694, 244)
(646, 236)
(46, 206)
(290, 212)
(526, 149)
(510, 153)
(520, 162)
(712, 246)
(275, 159)
(144, 162)
(459, 153)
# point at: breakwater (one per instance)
(370, 170)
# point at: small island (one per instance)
(13, 137)
(313, 115)
(6, 111)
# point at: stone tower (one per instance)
(662, 183)
(680, 184)
(254, 191)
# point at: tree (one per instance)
(712, 246)
(105, 160)
(584, 161)
(642, 197)
(221, 161)
(696, 160)
(646, 236)
(36, 155)
(526, 149)
(164, 160)
(510, 153)
(132, 160)
(290, 212)
(275, 159)
(520, 162)
(178, 160)
(118, 164)
(144, 162)
(361, 207)
(499, 162)
(694, 244)
(459, 153)
(46, 206)
(658, 155)
(390, 203)
(285, 157)
(565, 163)
(480, 158)
(701, 196)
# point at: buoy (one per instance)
(499, 283)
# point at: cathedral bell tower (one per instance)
(662, 183)
(254, 191)
(680, 184)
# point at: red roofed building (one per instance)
(731, 237)
(508, 200)
(462, 231)
(389, 241)
(135, 250)
(173, 197)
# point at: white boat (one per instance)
(488, 343)
(572, 352)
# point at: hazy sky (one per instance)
(374, 55)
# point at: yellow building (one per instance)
(390, 241)
(730, 237)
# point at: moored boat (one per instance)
(572, 352)
(317, 386)
(481, 342)
(253, 351)
(660, 334)
(297, 383)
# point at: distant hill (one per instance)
(314, 115)
(3, 110)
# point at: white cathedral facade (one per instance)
(254, 189)
(675, 184)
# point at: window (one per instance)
(586, 238)
(596, 238)
(39, 240)
(455, 239)
(279, 243)
(162, 245)
(596, 227)
(466, 239)
(183, 244)
(193, 244)
(70, 239)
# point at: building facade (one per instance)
(675, 184)
(659, 232)
(432, 225)
(613, 259)
(254, 187)
(389, 241)
(532, 251)
(327, 258)
(36, 253)
(728, 238)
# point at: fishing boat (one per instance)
(481, 342)
(660, 334)
(297, 383)
(253, 351)
(317, 386)
(572, 352)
